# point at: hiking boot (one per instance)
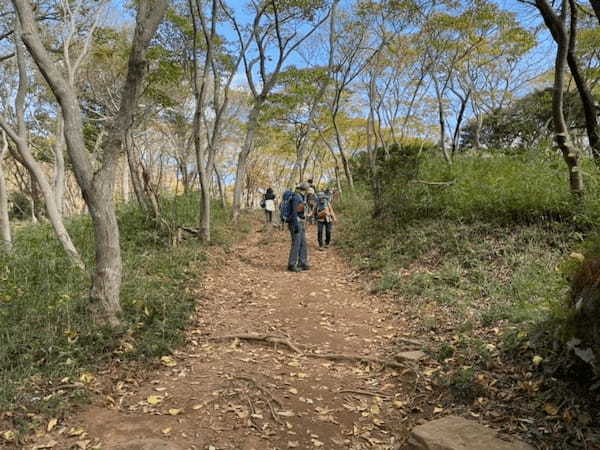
(305, 267)
(293, 268)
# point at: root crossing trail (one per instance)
(275, 360)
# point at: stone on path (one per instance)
(457, 433)
(146, 444)
(415, 355)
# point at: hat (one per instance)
(303, 186)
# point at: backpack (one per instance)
(322, 204)
(285, 209)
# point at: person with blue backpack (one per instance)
(325, 216)
(292, 213)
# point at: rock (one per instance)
(414, 355)
(457, 433)
(146, 444)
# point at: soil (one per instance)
(289, 388)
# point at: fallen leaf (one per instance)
(166, 430)
(175, 412)
(154, 399)
(293, 444)
(293, 390)
(8, 435)
(86, 378)
(196, 407)
(437, 410)
(76, 431)
(537, 360)
(551, 409)
(168, 361)
(51, 424)
(50, 444)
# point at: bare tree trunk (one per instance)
(345, 164)
(596, 6)
(59, 167)
(97, 186)
(39, 177)
(134, 174)
(442, 122)
(240, 176)
(125, 177)
(220, 185)
(561, 135)
(5, 235)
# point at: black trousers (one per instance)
(327, 226)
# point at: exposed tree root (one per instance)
(363, 392)
(259, 338)
(294, 347)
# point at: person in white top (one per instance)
(268, 203)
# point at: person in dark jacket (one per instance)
(268, 201)
(298, 259)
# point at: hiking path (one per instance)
(273, 360)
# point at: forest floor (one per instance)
(303, 384)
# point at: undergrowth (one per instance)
(481, 268)
(46, 332)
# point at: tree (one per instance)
(5, 236)
(560, 29)
(97, 185)
(276, 31)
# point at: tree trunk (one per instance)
(560, 127)
(596, 5)
(125, 183)
(37, 174)
(220, 186)
(240, 177)
(557, 27)
(97, 186)
(345, 164)
(59, 167)
(5, 235)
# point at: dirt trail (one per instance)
(237, 394)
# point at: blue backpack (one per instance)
(285, 209)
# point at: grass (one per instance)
(493, 241)
(46, 333)
(482, 270)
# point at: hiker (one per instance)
(325, 216)
(293, 212)
(268, 203)
(311, 200)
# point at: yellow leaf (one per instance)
(175, 412)
(166, 430)
(399, 404)
(168, 361)
(8, 435)
(537, 360)
(293, 390)
(51, 424)
(154, 399)
(577, 256)
(551, 409)
(86, 378)
(196, 407)
(437, 410)
(375, 409)
(293, 444)
(76, 431)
